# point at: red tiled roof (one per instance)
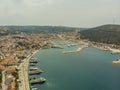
(12, 61)
(13, 84)
(11, 68)
(2, 67)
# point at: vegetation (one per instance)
(5, 30)
(109, 34)
(0, 78)
(15, 74)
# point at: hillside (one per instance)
(105, 34)
(34, 29)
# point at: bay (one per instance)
(90, 69)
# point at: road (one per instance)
(23, 73)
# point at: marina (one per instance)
(33, 72)
(86, 67)
(36, 75)
(60, 45)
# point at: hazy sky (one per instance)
(81, 13)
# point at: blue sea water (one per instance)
(90, 69)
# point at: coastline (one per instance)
(107, 48)
(23, 73)
(101, 46)
(77, 50)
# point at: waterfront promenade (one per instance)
(23, 73)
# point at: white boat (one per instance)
(34, 89)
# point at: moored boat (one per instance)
(33, 60)
(33, 68)
(35, 72)
(39, 80)
(117, 61)
(34, 89)
(32, 64)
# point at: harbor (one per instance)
(32, 73)
(70, 71)
(23, 73)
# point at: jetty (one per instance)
(77, 50)
(117, 61)
(115, 51)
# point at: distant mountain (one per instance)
(106, 34)
(36, 29)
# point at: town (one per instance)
(15, 48)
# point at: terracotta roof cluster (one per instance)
(11, 86)
(11, 68)
(2, 67)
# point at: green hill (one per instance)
(104, 34)
(35, 29)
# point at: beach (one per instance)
(23, 73)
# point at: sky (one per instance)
(74, 13)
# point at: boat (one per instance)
(117, 61)
(33, 58)
(32, 64)
(33, 61)
(56, 46)
(32, 72)
(34, 89)
(39, 80)
(31, 78)
(33, 69)
(70, 45)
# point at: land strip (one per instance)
(23, 73)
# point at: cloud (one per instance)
(58, 12)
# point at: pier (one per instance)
(77, 50)
(117, 61)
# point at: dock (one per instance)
(77, 50)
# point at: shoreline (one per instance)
(100, 46)
(115, 49)
(107, 48)
(23, 73)
(77, 50)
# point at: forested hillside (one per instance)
(105, 34)
(4, 30)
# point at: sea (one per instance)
(90, 69)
